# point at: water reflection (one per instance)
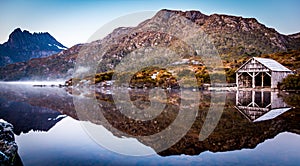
(39, 109)
(25, 117)
(234, 130)
(260, 105)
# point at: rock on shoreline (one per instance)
(8, 146)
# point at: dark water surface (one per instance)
(55, 126)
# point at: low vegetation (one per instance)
(291, 82)
(184, 74)
(289, 59)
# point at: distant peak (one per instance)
(17, 30)
(42, 34)
(37, 40)
(25, 31)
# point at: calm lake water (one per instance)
(56, 126)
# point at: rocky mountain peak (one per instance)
(215, 21)
(16, 31)
(23, 45)
(192, 14)
(19, 38)
(15, 38)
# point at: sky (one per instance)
(75, 21)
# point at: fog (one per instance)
(57, 82)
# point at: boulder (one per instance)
(8, 146)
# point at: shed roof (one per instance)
(268, 63)
(272, 64)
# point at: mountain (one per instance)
(23, 46)
(234, 38)
(56, 66)
(295, 35)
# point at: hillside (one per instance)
(235, 39)
(54, 67)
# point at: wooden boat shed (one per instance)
(261, 72)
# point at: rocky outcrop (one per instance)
(295, 35)
(23, 45)
(8, 146)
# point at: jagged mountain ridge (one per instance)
(238, 35)
(234, 37)
(23, 46)
(235, 29)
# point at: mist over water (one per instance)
(56, 82)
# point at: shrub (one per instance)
(291, 82)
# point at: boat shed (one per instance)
(261, 72)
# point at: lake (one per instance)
(63, 126)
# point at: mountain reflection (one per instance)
(38, 109)
(234, 130)
(25, 117)
(28, 108)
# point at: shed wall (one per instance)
(278, 76)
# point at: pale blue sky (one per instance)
(74, 21)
